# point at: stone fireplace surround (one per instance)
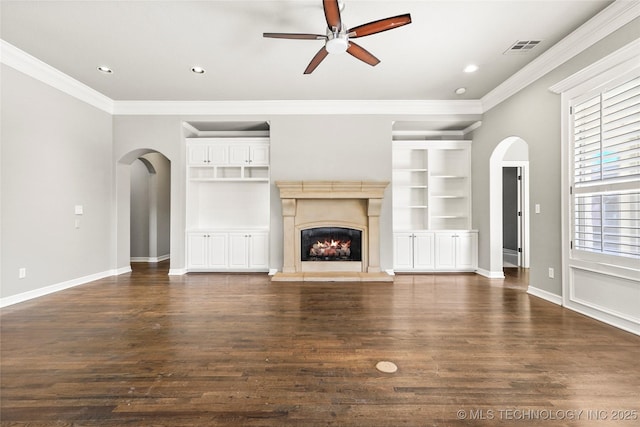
(350, 204)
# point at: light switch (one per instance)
(537, 208)
(79, 210)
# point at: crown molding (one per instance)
(299, 107)
(33, 67)
(624, 59)
(619, 13)
(609, 20)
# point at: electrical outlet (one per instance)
(22, 273)
(551, 273)
(77, 223)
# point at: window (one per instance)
(606, 170)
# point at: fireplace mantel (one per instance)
(351, 203)
(332, 189)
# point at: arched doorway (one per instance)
(156, 206)
(150, 208)
(511, 151)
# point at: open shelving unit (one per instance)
(431, 189)
(431, 185)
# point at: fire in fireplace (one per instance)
(331, 244)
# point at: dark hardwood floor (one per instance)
(147, 349)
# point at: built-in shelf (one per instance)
(432, 206)
(228, 204)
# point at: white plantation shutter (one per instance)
(606, 171)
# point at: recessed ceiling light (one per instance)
(471, 68)
(198, 70)
(461, 90)
(104, 69)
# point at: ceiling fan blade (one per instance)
(295, 36)
(317, 59)
(362, 54)
(380, 26)
(332, 14)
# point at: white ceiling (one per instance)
(152, 45)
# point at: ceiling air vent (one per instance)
(522, 46)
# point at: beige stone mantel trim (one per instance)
(295, 193)
(332, 189)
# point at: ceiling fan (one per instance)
(338, 38)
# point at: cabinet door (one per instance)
(466, 251)
(217, 250)
(219, 154)
(258, 250)
(445, 248)
(197, 250)
(238, 250)
(259, 154)
(423, 249)
(238, 154)
(198, 154)
(403, 251)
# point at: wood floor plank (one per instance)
(148, 349)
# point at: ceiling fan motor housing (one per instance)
(337, 44)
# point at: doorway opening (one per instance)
(144, 217)
(150, 206)
(515, 214)
(511, 152)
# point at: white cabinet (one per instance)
(248, 250)
(207, 250)
(255, 154)
(206, 154)
(227, 204)
(230, 159)
(456, 251)
(432, 206)
(228, 251)
(414, 251)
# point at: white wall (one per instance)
(56, 153)
(140, 209)
(302, 148)
(533, 114)
(331, 148)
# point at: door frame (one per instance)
(523, 207)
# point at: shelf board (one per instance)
(229, 179)
(448, 176)
(447, 197)
(410, 170)
(448, 216)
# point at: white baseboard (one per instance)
(545, 295)
(272, 271)
(390, 272)
(177, 271)
(122, 270)
(25, 296)
(490, 274)
(150, 259)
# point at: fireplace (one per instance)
(330, 244)
(342, 220)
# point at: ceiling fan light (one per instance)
(337, 45)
